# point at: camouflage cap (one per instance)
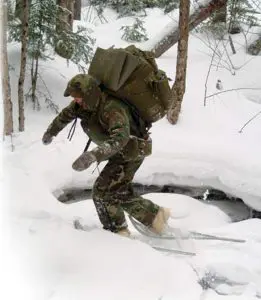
(76, 84)
(88, 86)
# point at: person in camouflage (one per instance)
(122, 141)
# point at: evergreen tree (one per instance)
(43, 38)
(128, 7)
(241, 12)
(151, 3)
(168, 5)
(134, 7)
(135, 33)
(233, 16)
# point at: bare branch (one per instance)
(249, 121)
(215, 94)
(206, 82)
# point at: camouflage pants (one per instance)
(113, 194)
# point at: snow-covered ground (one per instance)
(45, 258)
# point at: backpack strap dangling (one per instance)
(87, 145)
(72, 130)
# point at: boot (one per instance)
(161, 220)
(124, 232)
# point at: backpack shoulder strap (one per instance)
(142, 126)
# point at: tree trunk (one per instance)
(77, 9)
(199, 15)
(6, 90)
(70, 7)
(65, 13)
(34, 78)
(23, 64)
(178, 88)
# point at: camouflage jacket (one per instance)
(112, 128)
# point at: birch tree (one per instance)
(24, 40)
(179, 86)
(6, 90)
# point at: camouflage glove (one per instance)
(47, 138)
(84, 161)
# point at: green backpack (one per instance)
(132, 75)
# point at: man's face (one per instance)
(78, 98)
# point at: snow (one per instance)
(45, 258)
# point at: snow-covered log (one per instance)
(170, 34)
